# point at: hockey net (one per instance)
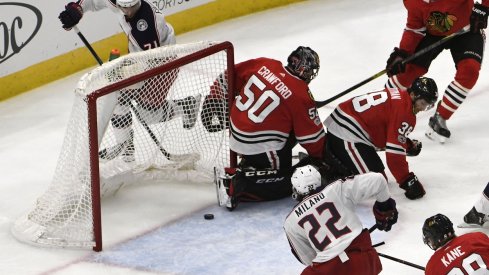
(139, 117)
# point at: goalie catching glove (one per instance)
(385, 214)
(71, 15)
(215, 113)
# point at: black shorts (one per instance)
(280, 160)
(360, 158)
(468, 45)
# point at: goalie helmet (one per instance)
(437, 231)
(128, 3)
(303, 63)
(424, 88)
(305, 181)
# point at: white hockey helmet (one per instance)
(305, 180)
(128, 3)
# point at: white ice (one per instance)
(159, 229)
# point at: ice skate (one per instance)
(125, 148)
(474, 219)
(191, 106)
(437, 129)
(223, 183)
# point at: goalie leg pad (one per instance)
(224, 188)
(262, 185)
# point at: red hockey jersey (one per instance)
(380, 119)
(436, 17)
(466, 254)
(273, 104)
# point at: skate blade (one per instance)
(431, 134)
(473, 225)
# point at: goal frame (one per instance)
(91, 101)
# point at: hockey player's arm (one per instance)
(366, 186)
(299, 244)
(307, 127)
(374, 185)
(415, 28)
(399, 128)
(95, 5)
(395, 156)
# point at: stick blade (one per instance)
(473, 225)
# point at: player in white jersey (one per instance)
(323, 230)
(146, 28)
(144, 25)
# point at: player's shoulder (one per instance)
(474, 236)
(411, 4)
(260, 62)
(148, 7)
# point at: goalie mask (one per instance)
(424, 88)
(305, 181)
(437, 231)
(303, 63)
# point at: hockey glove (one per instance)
(414, 189)
(385, 214)
(478, 18)
(395, 63)
(413, 147)
(71, 15)
(213, 114)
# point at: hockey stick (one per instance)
(378, 244)
(371, 229)
(167, 155)
(401, 261)
(465, 29)
(390, 257)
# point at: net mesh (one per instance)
(165, 126)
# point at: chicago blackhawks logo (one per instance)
(440, 21)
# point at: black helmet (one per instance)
(303, 63)
(424, 88)
(437, 231)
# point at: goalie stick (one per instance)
(465, 29)
(171, 157)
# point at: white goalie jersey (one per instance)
(323, 225)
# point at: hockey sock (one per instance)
(453, 97)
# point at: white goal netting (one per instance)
(147, 115)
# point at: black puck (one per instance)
(209, 216)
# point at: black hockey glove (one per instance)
(385, 214)
(394, 63)
(478, 18)
(413, 147)
(414, 188)
(212, 114)
(71, 15)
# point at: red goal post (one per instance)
(145, 116)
